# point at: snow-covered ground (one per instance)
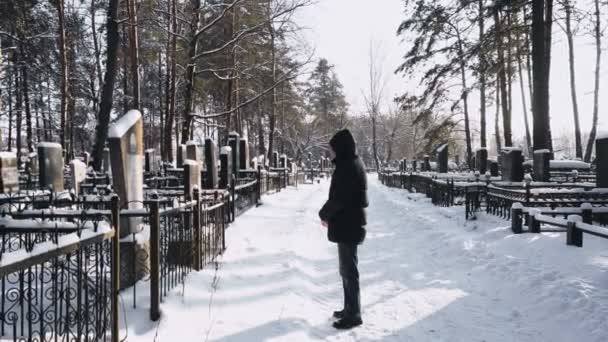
(426, 275)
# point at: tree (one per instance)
(541, 53)
(374, 97)
(597, 33)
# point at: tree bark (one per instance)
(596, 90)
(169, 123)
(482, 76)
(523, 100)
(273, 103)
(134, 52)
(63, 59)
(577, 128)
(26, 104)
(10, 110)
(105, 107)
(506, 115)
(497, 120)
(190, 71)
(540, 104)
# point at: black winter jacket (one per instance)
(344, 211)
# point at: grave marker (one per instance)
(9, 175)
(50, 162)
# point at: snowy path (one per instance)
(427, 275)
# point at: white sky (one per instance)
(341, 31)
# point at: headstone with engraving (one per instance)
(9, 175)
(225, 167)
(210, 164)
(50, 163)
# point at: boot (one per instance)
(347, 323)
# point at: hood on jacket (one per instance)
(343, 145)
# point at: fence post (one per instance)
(233, 200)
(517, 210)
(574, 236)
(259, 186)
(154, 261)
(115, 267)
(196, 222)
(533, 224)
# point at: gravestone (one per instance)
(150, 161)
(192, 176)
(541, 165)
(275, 159)
(225, 167)
(512, 165)
(414, 165)
(244, 154)
(210, 164)
(87, 159)
(601, 152)
(106, 164)
(494, 169)
(50, 162)
(125, 138)
(32, 164)
(442, 159)
(283, 161)
(9, 175)
(192, 151)
(457, 160)
(181, 156)
(78, 173)
(427, 163)
(481, 160)
(233, 142)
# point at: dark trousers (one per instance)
(347, 253)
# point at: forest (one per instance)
(205, 68)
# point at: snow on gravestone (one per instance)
(9, 176)
(125, 138)
(78, 170)
(50, 163)
(233, 142)
(210, 164)
(442, 158)
(192, 151)
(512, 164)
(225, 167)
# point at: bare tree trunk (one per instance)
(273, 103)
(105, 106)
(577, 127)
(63, 58)
(19, 113)
(26, 103)
(172, 84)
(190, 70)
(96, 45)
(10, 110)
(134, 51)
(506, 115)
(523, 100)
(482, 76)
(542, 127)
(497, 120)
(596, 90)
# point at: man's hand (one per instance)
(324, 224)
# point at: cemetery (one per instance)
(73, 239)
(537, 195)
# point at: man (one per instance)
(344, 216)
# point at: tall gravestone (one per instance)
(541, 165)
(32, 164)
(192, 176)
(150, 160)
(106, 163)
(244, 154)
(233, 142)
(283, 162)
(9, 175)
(481, 160)
(192, 151)
(601, 152)
(494, 168)
(427, 163)
(50, 162)
(275, 159)
(225, 167)
(442, 159)
(211, 164)
(181, 156)
(78, 173)
(125, 138)
(414, 165)
(512, 165)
